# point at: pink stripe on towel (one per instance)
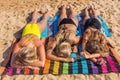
(18, 70)
(112, 64)
(9, 71)
(104, 68)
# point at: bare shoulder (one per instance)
(16, 48)
(52, 39)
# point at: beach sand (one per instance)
(14, 13)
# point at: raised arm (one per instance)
(13, 60)
(41, 55)
(85, 39)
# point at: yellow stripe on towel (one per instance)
(56, 67)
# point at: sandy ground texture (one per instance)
(14, 13)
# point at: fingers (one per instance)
(70, 59)
(85, 55)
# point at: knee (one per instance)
(42, 64)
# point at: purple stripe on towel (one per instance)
(94, 68)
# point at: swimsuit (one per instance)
(67, 21)
(31, 29)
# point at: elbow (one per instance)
(12, 65)
(48, 56)
(42, 64)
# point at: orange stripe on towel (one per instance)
(36, 71)
(46, 67)
(26, 71)
(2, 70)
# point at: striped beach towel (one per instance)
(80, 66)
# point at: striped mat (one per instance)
(80, 66)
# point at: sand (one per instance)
(13, 14)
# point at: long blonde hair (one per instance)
(64, 49)
(26, 55)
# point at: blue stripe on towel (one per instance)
(74, 64)
(56, 18)
(78, 32)
(105, 27)
(83, 62)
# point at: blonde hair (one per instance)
(26, 55)
(64, 49)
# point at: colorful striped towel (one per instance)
(80, 66)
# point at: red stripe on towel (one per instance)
(26, 71)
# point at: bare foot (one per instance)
(71, 9)
(63, 9)
(47, 14)
(34, 15)
(86, 12)
(92, 12)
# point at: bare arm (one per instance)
(41, 56)
(77, 40)
(13, 63)
(4, 63)
(84, 41)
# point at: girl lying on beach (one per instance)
(94, 43)
(60, 47)
(30, 51)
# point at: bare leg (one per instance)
(63, 14)
(93, 12)
(72, 15)
(86, 15)
(42, 23)
(43, 40)
(34, 16)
